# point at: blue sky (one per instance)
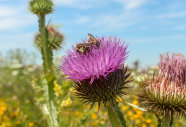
(151, 27)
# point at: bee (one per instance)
(93, 40)
(85, 47)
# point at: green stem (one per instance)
(167, 122)
(171, 121)
(48, 71)
(159, 120)
(44, 43)
(115, 116)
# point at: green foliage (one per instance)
(115, 116)
(16, 91)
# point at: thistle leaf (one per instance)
(115, 116)
(135, 106)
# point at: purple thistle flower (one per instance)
(102, 67)
(98, 62)
(173, 67)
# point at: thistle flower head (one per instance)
(163, 96)
(54, 37)
(41, 7)
(99, 74)
(109, 57)
(173, 67)
(166, 92)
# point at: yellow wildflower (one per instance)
(124, 108)
(77, 113)
(136, 116)
(135, 102)
(5, 117)
(66, 83)
(3, 108)
(31, 124)
(1, 112)
(138, 112)
(144, 125)
(130, 113)
(131, 118)
(138, 121)
(71, 89)
(94, 116)
(66, 103)
(148, 121)
(57, 89)
(8, 124)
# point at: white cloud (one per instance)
(14, 17)
(86, 4)
(82, 19)
(82, 4)
(6, 11)
(18, 40)
(131, 4)
(159, 39)
(117, 21)
(171, 15)
(113, 22)
(128, 4)
(123, 19)
(13, 20)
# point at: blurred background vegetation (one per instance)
(19, 96)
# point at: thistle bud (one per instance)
(41, 7)
(54, 37)
(98, 74)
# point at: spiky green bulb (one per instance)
(41, 7)
(104, 89)
(55, 39)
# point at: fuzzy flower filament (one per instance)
(101, 61)
(173, 67)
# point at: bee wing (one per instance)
(90, 36)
